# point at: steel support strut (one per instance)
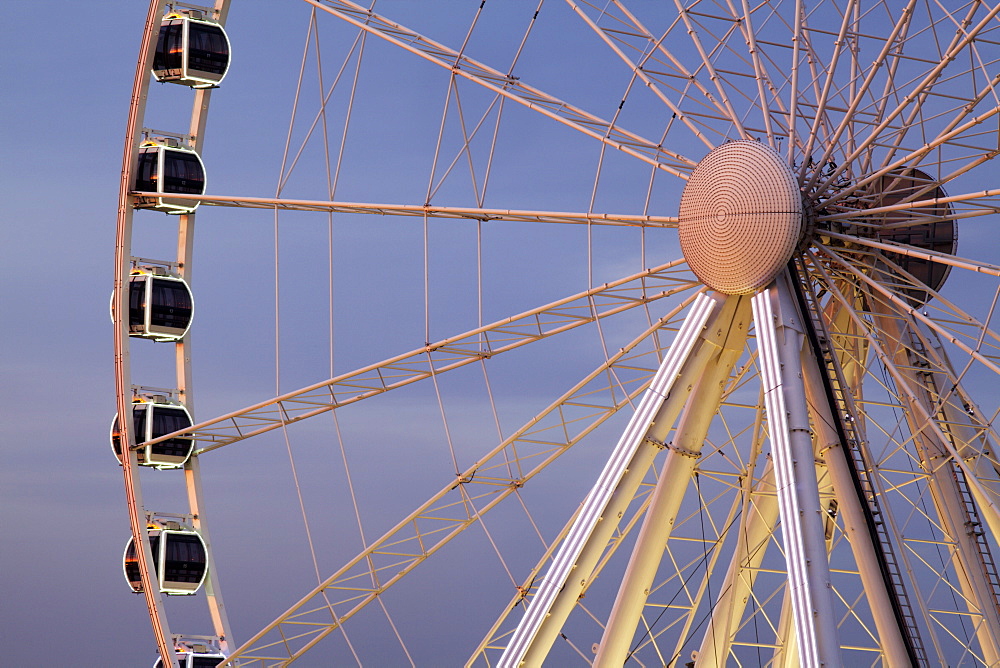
(192, 468)
(755, 530)
(954, 498)
(631, 458)
(876, 584)
(780, 338)
(841, 444)
(684, 451)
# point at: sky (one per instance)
(62, 498)
(68, 78)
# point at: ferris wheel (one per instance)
(655, 320)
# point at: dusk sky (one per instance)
(68, 78)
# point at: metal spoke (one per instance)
(449, 212)
(808, 475)
(495, 477)
(478, 344)
(510, 87)
(639, 69)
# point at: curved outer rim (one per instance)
(122, 370)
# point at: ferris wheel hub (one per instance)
(741, 217)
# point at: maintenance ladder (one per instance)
(853, 446)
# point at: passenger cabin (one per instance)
(166, 168)
(195, 660)
(160, 306)
(191, 51)
(179, 559)
(152, 419)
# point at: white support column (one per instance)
(213, 596)
(786, 654)
(756, 528)
(780, 337)
(937, 461)
(184, 375)
(673, 483)
(558, 593)
(969, 437)
(855, 526)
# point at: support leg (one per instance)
(890, 633)
(944, 478)
(780, 338)
(677, 472)
(754, 538)
(579, 553)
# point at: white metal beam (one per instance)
(428, 211)
(850, 510)
(756, 529)
(936, 460)
(780, 338)
(510, 87)
(122, 366)
(557, 593)
(185, 376)
(684, 451)
(444, 355)
(508, 467)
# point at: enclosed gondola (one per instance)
(160, 305)
(166, 168)
(191, 51)
(187, 659)
(179, 558)
(152, 418)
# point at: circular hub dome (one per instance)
(740, 218)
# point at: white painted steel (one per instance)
(122, 365)
(185, 378)
(828, 446)
(756, 529)
(932, 447)
(439, 356)
(780, 338)
(910, 251)
(802, 109)
(414, 210)
(930, 441)
(682, 459)
(515, 451)
(531, 641)
(509, 87)
(915, 204)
